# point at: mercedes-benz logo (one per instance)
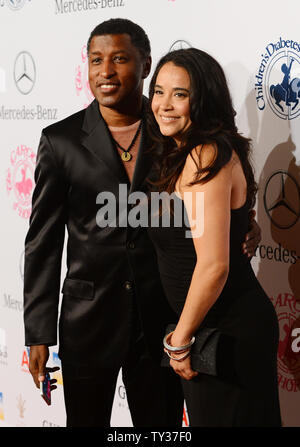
(15, 4)
(282, 199)
(24, 72)
(180, 45)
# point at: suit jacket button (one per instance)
(128, 285)
(131, 245)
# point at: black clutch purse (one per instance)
(204, 351)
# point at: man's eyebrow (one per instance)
(115, 52)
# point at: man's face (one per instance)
(116, 70)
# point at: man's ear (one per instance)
(147, 67)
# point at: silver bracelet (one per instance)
(179, 359)
(176, 348)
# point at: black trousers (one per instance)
(154, 394)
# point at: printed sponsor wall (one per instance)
(43, 78)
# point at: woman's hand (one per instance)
(183, 368)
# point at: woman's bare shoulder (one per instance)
(202, 156)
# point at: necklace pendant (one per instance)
(126, 156)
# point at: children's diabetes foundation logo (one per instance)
(82, 85)
(277, 81)
(288, 308)
(20, 179)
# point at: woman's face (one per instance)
(171, 101)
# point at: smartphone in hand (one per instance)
(45, 389)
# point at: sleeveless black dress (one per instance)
(245, 313)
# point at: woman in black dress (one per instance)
(207, 278)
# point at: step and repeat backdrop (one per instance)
(43, 79)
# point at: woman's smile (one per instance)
(171, 101)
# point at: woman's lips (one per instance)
(168, 119)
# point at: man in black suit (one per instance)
(114, 311)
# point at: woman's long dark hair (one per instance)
(212, 116)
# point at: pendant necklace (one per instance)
(126, 156)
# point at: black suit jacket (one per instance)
(107, 268)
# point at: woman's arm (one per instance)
(212, 248)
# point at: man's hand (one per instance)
(253, 238)
(38, 358)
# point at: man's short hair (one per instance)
(123, 26)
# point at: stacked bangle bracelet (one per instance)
(185, 349)
(176, 348)
(179, 359)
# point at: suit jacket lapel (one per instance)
(97, 140)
